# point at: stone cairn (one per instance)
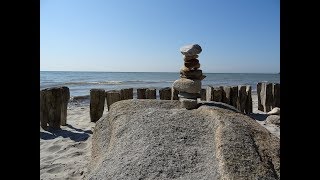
(189, 84)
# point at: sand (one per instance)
(65, 153)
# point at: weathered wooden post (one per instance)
(242, 98)
(259, 88)
(165, 93)
(209, 93)
(234, 96)
(266, 96)
(151, 94)
(269, 97)
(217, 94)
(276, 95)
(203, 94)
(64, 105)
(126, 94)
(248, 108)
(141, 93)
(53, 107)
(112, 97)
(54, 101)
(226, 95)
(174, 94)
(97, 101)
(44, 114)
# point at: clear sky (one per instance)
(146, 35)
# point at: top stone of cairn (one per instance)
(191, 50)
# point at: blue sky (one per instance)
(146, 35)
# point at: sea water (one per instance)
(80, 83)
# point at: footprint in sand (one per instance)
(48, 158)
(54, 148)
(75, 154)
(58, 168)
(80, 145)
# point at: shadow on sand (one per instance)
(54, 133)
(258, 117)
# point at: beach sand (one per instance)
(65, 153)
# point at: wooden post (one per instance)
(234, 96)
(242, 98)
(165, 93)
(217, 94)
(276, 95)
(260, 106)
(126, 94)
(248, 108)
(203, 94)
(226, 95)
(112, 97)
(53, 107)
(64, 105)
(141, 93)
(44, 118)
(151, 94)
(209, 93)
(97, 101)
(174, 94)
(266, 96)
(269, 97)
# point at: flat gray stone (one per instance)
(187, 58)
(189, 95)
(187, 85)
(191, 50)
(192, 74)
(188, 103)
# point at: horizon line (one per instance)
(158, 72)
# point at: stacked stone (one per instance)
(189, 84)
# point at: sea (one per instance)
(80, 83)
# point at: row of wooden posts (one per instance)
(54, 101)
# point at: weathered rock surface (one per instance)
(192, 65)
(187, 85)
(187, 58)
(188, 103)
(274, 111)
(191, 50)
(273, 119)
(152, 139)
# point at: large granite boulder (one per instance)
(152, 139)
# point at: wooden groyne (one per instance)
(54, 101)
